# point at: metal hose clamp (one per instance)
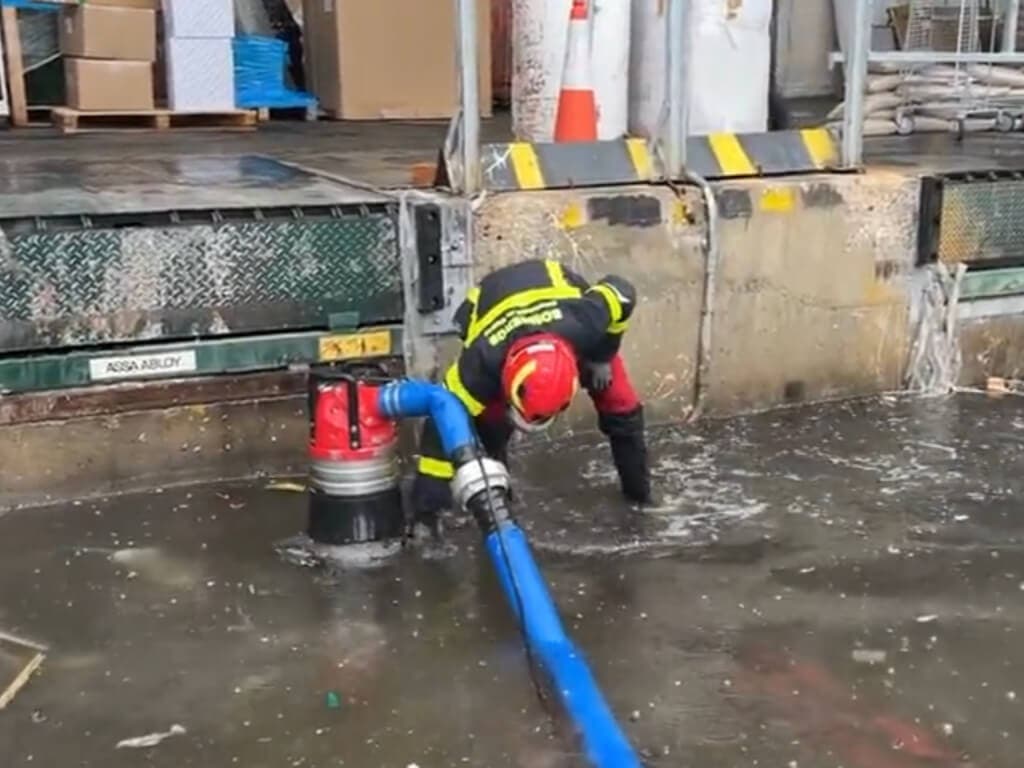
(475, 477)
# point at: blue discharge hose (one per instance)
(412, 399)
(604, 742)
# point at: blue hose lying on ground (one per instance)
(603, 741)
(480, 485)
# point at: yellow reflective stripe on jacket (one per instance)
(556, 274)
(617, 324)
(473, 297)
(558, 290)
(453, 381)
(438, 468)
(617, 329)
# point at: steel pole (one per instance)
(677, 86)
(856, 66)
(470, 88)
(1010, 22)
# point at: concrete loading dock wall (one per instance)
(815, 299)
(812, 299)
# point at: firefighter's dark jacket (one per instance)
(537, 296)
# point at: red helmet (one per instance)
(539, 380)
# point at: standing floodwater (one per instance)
(832, 586)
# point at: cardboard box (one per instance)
(200, 74)
(90, 32)
(199, 18)
(107, 85)
(390, 59)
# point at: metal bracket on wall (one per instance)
(436, 253)
(441, 262)
(429, 256)
(929, 225)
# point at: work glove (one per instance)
(600, 376)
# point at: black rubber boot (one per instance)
(429, 496)
(625, 432)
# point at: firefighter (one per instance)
(532, 333)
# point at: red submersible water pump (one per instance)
(354, 493)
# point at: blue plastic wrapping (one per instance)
(410, 398)
(604, 743)
(259, 75)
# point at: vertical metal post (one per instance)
(1010, 21)
(470, 88)
(677, 86)
(856, 71)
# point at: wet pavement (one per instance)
(838, 585)
(383, 153)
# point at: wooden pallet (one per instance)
(39, 115)
(15, 74)
(309, 114)
(69, 120)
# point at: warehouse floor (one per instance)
(383, 153)
(833, 585)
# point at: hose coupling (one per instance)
(481, 487)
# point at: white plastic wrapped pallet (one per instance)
(200, 58)
(730, 68)
(200, 74)
(647, 66)
(540, 30)
(610, 66)
(729, 45)
(199, 18)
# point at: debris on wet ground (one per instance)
(286, 485)
(21, 679)
(159, 567)
(151, 739)
(869, 656)
(23, 642)
(22, 657)
(301, 550)
(996, 386)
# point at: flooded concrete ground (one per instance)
(839, 585)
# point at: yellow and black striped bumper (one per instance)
(524, 166)
(521, 165)
(731, 155)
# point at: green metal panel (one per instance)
(83, 281)
(153, 361)
(980, 218)
(992, 283)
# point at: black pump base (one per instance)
(337, 520)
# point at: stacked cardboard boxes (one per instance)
(374, 60)
(200, 63)
(108, 56)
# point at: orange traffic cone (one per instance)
(577, 107)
